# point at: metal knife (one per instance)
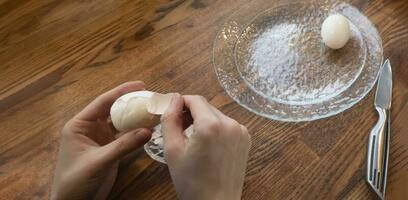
(379, 139)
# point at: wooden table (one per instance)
(57, 56)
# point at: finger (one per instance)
(247, 136)
(244, 129)
(111, 127)
(220, 114)
(223, 117)
(187, 119)
(100, 107)
(172, 126)
(199, 107)
(124, 145)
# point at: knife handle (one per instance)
(377, 152)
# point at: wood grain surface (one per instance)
(58, 55)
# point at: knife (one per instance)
(379, 139)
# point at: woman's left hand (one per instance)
(89, 151)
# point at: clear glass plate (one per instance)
(155, 149)
(274, 63)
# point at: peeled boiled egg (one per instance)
(335, 31)
(141, 109)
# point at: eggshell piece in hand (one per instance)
(129, 112)
(159, 103)
(335, 31)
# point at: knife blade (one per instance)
(384, 87)
(379, 138)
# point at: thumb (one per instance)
(172, 126)
(125, 144)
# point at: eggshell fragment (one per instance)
(335, 31)
(159, 103)
(141, 109)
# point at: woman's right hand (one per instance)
(211, 163)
